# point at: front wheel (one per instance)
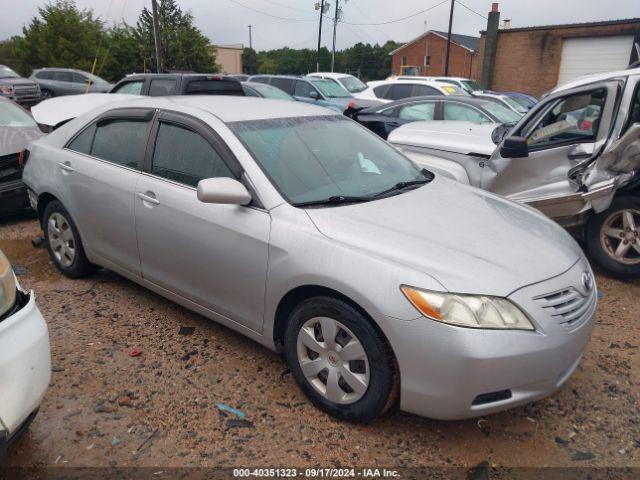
(612, 238)
(341, 362)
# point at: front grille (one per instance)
(25, 91)
(568, 307)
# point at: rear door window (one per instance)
(62, 76)
(418, 111)
(420, 90)
(399, 91)
(44, 75)
(184, 156)
(121, 141)
(457, 111)
(381, 90)
(162, 86)
(285, 84)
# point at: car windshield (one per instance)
(267, 91)
(13, 116)
(352, 84)
(503, 114)
(311, 159)
(6, 72)
(525, 102)
(454, 90)
(330, 89)
(515, 105)
(470, 85)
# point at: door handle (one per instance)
(579, 155)
(149, 197)
(66, 167)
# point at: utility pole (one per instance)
(335, 26)
(250, 39)
(446, 62)
(321, 8)
(156, 37)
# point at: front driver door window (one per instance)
(304, 91)
(203, 252)
(460, 112)
(418, 112)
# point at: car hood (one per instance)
(451, 136)
(57, 110)
(17, 81)
(15, 139)
(469, 240)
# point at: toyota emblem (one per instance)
(587, 281)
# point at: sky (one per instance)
(226, 21)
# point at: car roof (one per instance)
(329, 74)
(230, 108)
(467, 99)
(133, 76)
(596, 77)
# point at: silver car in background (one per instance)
(379, 281)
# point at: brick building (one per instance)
(426, 55)
(536, 59)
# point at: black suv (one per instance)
(161, 84)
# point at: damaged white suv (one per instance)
(25, 361)
(575, 156)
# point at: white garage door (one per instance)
(582, 56)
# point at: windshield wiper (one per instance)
(400, 186)
(334, 200)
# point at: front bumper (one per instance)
(25, 365)
(6, 441)
(453, 373)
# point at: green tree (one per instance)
(8, 52)
(61, 35)
(122, 54)
(184, 47)
(249, 61)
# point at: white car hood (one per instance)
(54, 111)
(451, 136)
(469, 240)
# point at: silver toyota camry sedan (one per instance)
(381, 283)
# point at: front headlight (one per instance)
(7, 285)
(474, 311)
(6, 89)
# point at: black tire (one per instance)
(383, 387)
(80, 266)
(594, 243)
(46, 93)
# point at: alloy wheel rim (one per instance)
(61, 239)
(333, 360)
(620, 236)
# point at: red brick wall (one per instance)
(529, 61)
(461, 61)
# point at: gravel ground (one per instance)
(107, 408)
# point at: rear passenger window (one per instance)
(44, 75)
(399, 91)
(161, 86)
(214, 87)
(421, 90)
(381, 90)
(285, 84)
(121, 141)
(184, 156)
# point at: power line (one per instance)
(400, 19)
(472, 10)
(272, 16)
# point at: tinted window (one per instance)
(213, 87)
(381, 90)
(121, 142)
(420, 111)
(133, 88)
(260, 79)
(162, 86)
(184, 156)
(285, 84)
(83, 142)
(399, 91)
(573, 118)
(457, 111)
(62, 76)
(304, 89)
(44, 75)
(77, 78)
(420, 90)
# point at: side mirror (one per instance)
(514, 147)
(226, 191)
(313, 94)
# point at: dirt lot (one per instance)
(107, 408)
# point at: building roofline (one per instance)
(423, 35)
(603, 23)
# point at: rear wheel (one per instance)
(340, 360)
(613, 238)
(64, 243)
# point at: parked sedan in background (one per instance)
(262, 90)
(385, 118)
(389, 90)
(311, 235)
(56, 82)
(524, 99)
(350, 83)
(25, 358)
(14, 87)
(17, 130)
(318, 91)
(504, 100)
